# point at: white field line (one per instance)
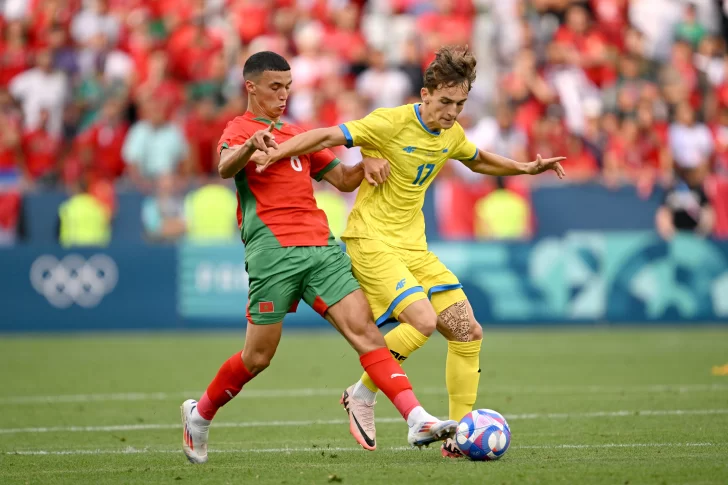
(133, 451)
(329, 422)
(315, 392)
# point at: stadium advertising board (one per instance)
(582, 277)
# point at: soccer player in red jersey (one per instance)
(290, 254)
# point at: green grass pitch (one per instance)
(622, 406)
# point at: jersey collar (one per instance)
(422, 123)
(250, 116)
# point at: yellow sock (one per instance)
(462, 373)
(401, 341)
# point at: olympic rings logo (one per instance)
(74, 279)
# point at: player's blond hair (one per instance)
(453, 65)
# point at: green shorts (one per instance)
(280, 277)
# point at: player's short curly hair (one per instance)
(453, 65)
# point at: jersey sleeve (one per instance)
(464, 149)
(322, 162)
(372, 131)
(234, 134)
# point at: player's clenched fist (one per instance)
(263, 140)
(376, 170)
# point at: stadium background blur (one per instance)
(125, 100)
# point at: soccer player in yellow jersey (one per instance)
(385, 235)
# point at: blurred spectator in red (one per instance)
(10, 206)
(14, 52)
(41, 87)
(102, 142)
(308, 68)
(689, 29)
(452, 23)
(212, 85)
(384, 86)
(159, 84)
(250, 17)
(526, 90)
(549, 134)
(691, 142)
(585, 46)
(154, 146)
(190, 49)
(627, 160)
(41, 150)
(203, 129)
(581, 164)
(46, 13)
(11, 152)
(93, 20)
(611, 17)
(344, 36)
(720, 142)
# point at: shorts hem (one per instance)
(339, 296)
(387, 314)
(440, 288)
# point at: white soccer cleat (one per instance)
(361, 419)
(425, 432)
(195, 430)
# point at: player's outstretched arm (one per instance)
(308, 142)
(347, 179)
(492, 164)
(235, 158)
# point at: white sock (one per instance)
(362, 393)
(198, 419)
(419, 415)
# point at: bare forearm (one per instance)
(233, 162)
(309, 142)
(353, 177)
(493, 164)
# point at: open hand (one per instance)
(376, 170)
(540, 165)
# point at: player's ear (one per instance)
(249, 86)
(425, 95)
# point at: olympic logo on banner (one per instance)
(74, 279)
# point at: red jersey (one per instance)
(277, 208)
(41, 152)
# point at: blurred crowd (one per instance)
(98, 96)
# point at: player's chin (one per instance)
(446, 124)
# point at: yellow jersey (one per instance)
(392, 212)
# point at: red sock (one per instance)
(389, 377)
(228, 382)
